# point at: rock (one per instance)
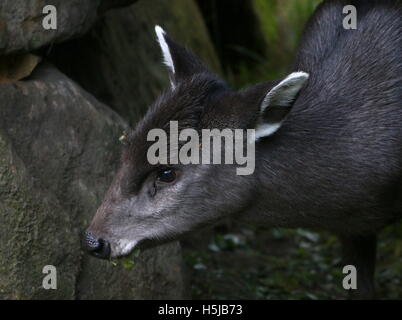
(58, 152)
(119, 60)
(18, 66)
(21, 21)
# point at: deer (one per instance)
(328, 145)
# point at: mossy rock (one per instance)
(21, 26)
(59, 150)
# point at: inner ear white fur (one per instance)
(167, 57)
(265, 129)
(285, 92)
(282, 95)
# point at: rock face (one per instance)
(59, 145)
(58, 152)
(119, 60)
(21, 21)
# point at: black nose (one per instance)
(99, 248)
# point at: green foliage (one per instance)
(267, 264)
(389, 267)
(285, 264)
(282, 24)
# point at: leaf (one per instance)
(128, 264)
(213, 247)
(18, 66)
(200, 266)
(128, 261)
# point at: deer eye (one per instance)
(167, 175)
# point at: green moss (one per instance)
(26, 226)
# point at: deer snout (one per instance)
(97, 247)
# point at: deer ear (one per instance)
(277, 103)
(181, 62)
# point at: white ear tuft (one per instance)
(285, 92)
(167, 57)
(264, 130)
(277, 103)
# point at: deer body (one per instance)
(328, 150)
